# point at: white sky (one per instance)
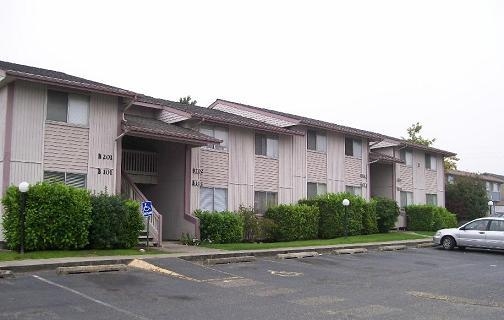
(373, 65)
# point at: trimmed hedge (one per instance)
(56, 217)
(294, 222)
(429, 218)
(387, 212)
(116, 223)
(220, 227)
(369, 218)
(332, 215)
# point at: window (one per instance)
(451, 179)
(213, 199)
(77, 180)
(496, 225)
(431, 199)
(315, 189)
(430, 162)
(406, 199)
(316, 141)
(266, 146)
(264, 200)
(354, 190)
(477, 225)
(406, 156)
(218, 133)
(67, 107)
(353, 147)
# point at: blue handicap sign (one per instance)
(147, 208)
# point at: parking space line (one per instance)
(85, 296)
(212, 269)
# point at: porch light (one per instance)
(23, 188)
(345, 204)
(490, 204)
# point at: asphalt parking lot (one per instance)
(427, 283)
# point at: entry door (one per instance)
(474, 234)
(495, 234)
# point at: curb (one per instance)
(24, 265)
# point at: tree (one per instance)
(188, 100)
(467, 198)
(414, 135)
(450, 163)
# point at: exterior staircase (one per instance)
(130, 191)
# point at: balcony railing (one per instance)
(140, 162)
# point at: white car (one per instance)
(480, 233)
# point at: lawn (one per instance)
(391, 236)
(6, 255)
(425, 233)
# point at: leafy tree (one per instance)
(450, 163)
(414, 135)
(188, 100)
(467, 198)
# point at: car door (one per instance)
(495, 234)
(473, 234)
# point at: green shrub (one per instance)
(116, 223)
(429, 218)
(220, 227)
(57, 217)
(387, 212)
(294, 222)
(369, 218)
(332, 214)
(250, 223)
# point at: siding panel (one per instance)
(241, 167)
(299, 167)
(3, 110)
(335, 162)
(170, 117)
(353, 171)
(286, 170)
(216, 168)
(66, 148)
(103, 128)
(266, 174)
(431, 181)
(406, 178)
(316, 167)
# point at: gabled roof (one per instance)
(152, 127)
(482, 176)
(217, 116)
(22, 72)
(395, 142)
(380, 157)
(318, 124)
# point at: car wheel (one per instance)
(448, 243)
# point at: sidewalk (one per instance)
(192, 253)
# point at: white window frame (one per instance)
(213, 190)
(221, 133)
(76, 104)
(267, 205)
(320, 188)
(356, 145)
(271, 146)
(66, 177)
(320, 141)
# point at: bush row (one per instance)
(429, 218)
(58, 216)
(321, 217)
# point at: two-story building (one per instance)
(59, 127)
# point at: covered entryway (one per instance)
(156, 166)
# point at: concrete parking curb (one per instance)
(52, 264)
(91, 269)
(392, 248)
(230, 260)
(350, 251)
(297, 255)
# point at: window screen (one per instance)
(353, 147)
(57, 103)
(431, 199)
(266, 146)
(206, 199)
(406, 199)
(406, 156)
(78, 109)
(311, 140)
(77, 180)
(263, 200)
(213, 199)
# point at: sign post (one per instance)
(147, 212)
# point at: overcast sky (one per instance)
(373, 65)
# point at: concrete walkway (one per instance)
(194, 253)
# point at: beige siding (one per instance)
(29, 172)
(365, 170)
(3, 109)
(195, 164)
(27, 124)
(103, 128)
(431, 181)
(266, 174)
(353, 171)
(405, 181)
(66, 148)
(286, 170)
(335, 162)
(170, 117)
(316, 166)
(440, 181)
(241, 168)
(216, 168)
(419, 172)
(299, 167)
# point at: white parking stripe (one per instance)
(131, 314)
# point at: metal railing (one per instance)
(140, 162)
(131, 191)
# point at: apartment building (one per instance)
(59, 127)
